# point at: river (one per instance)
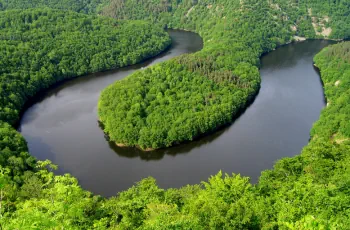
(61, 125)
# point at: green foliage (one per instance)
(81, 6)
(156, 108)
(42, 47)
(235, 34)
(39, 48)
(53, 202)
(193, 94)
(327, 14)
(334, 62)
(14, 152)
(312, 190)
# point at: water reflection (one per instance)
(159, 154)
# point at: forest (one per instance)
(81, 6)
(158, 117)
(306, 18)
(163, 113)
(42, 47)
(308, 191)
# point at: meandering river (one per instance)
(61, 125)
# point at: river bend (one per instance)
(61, 125)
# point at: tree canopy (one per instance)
(42, 47)
(236, 33)
(197, 93)
(81, 6)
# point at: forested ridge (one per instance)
(309, 191)
(42, 47)
(305, 18)
(168, 111)
(317, 19)
(81, 6)
(175, 104)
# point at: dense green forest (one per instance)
(170, 104)
(306, 18)
(81, 6)
(317, 19)
(42, 47)
(163, 112)
(220, 80)
(309, 191)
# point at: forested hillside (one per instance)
(306, 18)
(42, 47)
(236, 33)
(200, 92)
(334, 63)
(309, 191)
(81, 6)
(317, 19)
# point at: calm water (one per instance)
(62, 126)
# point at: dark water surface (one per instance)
(62, 126)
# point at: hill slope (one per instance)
(81, 6)
(236, 33)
